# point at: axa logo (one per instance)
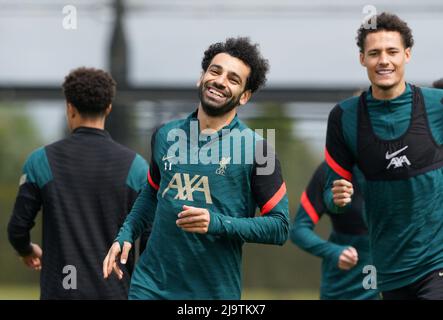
(185, 186)
(397, 162)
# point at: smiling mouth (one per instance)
(216, 93)
(384, 72)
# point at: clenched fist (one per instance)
(342, 192)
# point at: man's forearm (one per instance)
(270, 229)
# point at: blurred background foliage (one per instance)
(18, 137)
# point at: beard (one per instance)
(214, 110)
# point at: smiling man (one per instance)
(203, 213)
(394, 133)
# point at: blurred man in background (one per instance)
(86, 185)
(346, 252)
(394, 133)
(205, 212)
(438, 84)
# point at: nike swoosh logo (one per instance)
(392, 155)
(166, 158)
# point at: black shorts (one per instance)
(430, 287)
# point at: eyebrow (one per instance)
(388, 49)
(232, 73)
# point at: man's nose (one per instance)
(221, 80)
(383, 59)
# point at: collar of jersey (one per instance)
(233, 124)
(222, 132)
(89, 130)
(402, 100)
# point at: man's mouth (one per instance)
(216, 93)
(384, 72)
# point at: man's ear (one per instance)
(108, 110)
(245, 96)
(362, 59)
(71, 111)
(407, 54)
(200, 79)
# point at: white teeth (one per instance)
(216, 93)
(384, 71)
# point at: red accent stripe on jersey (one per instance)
(151, 182)
(309, 208)
(336, 167)
(274, 200)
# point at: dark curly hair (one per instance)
(242, 49)
(388, 22)
(438, 84)
(89, 90)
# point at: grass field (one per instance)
(9, 292)
(265, 294)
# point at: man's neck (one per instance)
(392, 93)
(90, 123)
(214, 123)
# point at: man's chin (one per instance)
(217, 110)
(213, 111)
(385, 86)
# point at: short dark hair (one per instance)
(242, 49)
(438, 84)
(387, 22)
(89, 90)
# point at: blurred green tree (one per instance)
(18, 138)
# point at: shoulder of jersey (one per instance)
(433, 95)
(164, 128)
(242, 126)
(349, 103)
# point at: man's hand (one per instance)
(342, 192)
(110, 263)
(193, 219)
(348, 259)
(34, 259)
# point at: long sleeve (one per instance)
(328, 199)
(269, 229)
(28, 203)
(141, 217)
(272, 227)
(26, 207)
(137, 174)
(311, 210)
(338, 157)
(136, 181)
(302, 234)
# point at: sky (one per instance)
(308, 43)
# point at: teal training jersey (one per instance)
(348, 230)
(183, 265)
(403, 191)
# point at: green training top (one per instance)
(404, 189)
(183, 265)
